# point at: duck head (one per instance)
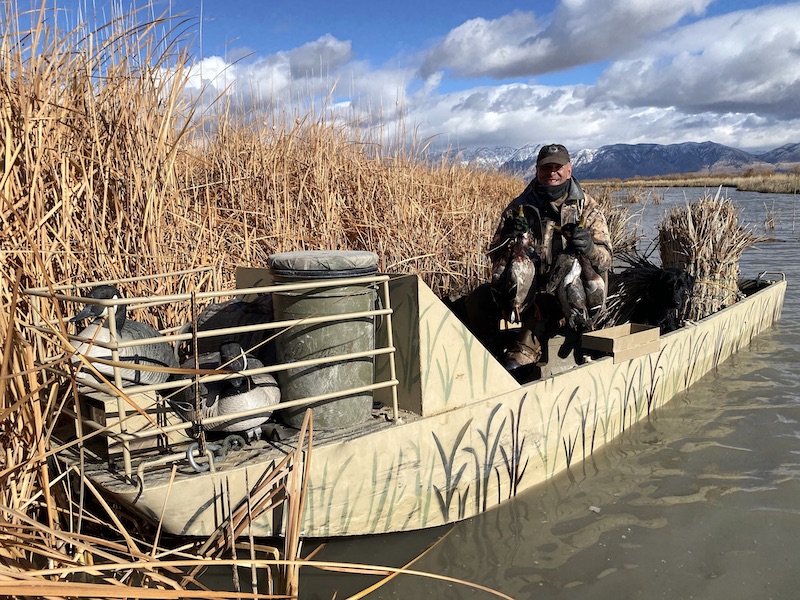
(232, 357)
(95, 311)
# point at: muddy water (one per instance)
(702, 501)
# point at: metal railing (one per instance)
(52, 333)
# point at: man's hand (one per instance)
(581, 241)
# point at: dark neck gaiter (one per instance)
(551, 193)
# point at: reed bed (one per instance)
(766, 181)
(316, 186)
(107, 174)
(705, 239)
(624, 225)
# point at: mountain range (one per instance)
(624, 161)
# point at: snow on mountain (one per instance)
(622, 161)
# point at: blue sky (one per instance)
(475, 73)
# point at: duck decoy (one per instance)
(233, 394)
(514, 266)
(151, 354)
(236, 314)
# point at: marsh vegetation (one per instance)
(772, 182)
(108, 171)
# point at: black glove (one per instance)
(581, 241)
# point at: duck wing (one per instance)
(152, 354)
(594, 285)
(157, 353)
(183, 399)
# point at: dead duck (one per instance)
(153, 354)
(566, 284)
(594, 286)
(233, 394)
(574, 281)
(515, 263)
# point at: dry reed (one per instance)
(705, 238)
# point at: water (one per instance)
(698, 502)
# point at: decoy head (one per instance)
(95, 311)
(232, 357)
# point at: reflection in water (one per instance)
(698, 502)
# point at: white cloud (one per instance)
(585, 31)
(320, 58)
(744, 62)
(322, 74)
(580, 31)
(480, 47)
(732, 79)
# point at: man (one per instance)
(570, 222)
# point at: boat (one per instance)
(450, 433)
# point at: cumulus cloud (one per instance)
(323, 73)
(733, 79)
(743, 62)
(673, 75)
(579, 31)
(316, 59)
(480, 47)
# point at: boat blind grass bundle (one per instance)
(706, 240)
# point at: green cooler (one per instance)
(304, 342)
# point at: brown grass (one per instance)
(773, 182)
(707, 240)
(259, 190)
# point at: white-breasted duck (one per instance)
(580, 290)
(154, 353)
(565, 284)
(233, 394)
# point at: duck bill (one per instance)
(84, 314)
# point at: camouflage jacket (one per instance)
(575, 207)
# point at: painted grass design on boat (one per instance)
(512, 458)
(486, 461)
(446, 494)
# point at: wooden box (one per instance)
(623, 342)
(103, 410)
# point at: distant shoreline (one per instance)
(764, 182)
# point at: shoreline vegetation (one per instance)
(768, 182)
(108, 171)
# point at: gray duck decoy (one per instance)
(235, 313)
(233, 394)
(158, 353)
